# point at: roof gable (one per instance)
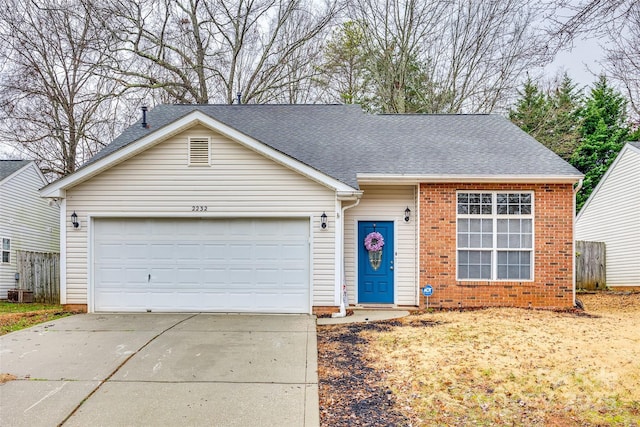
(11, 168)
(130, 143)
(629, 149)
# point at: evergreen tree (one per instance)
(603, 132)
(532, 110)
(552, 118)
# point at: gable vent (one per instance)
(199, 151)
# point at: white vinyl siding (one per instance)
(26, 219)
(386, 203)
(611, 216)
(240, 184)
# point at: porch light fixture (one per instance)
(407, 214)
(323, 220)
(74, 220)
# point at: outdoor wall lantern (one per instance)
(323, 220)
(74, 220)
(407, 214)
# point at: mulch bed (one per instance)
(351, 392)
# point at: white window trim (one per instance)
(199, 138)
(494, 216)
(3, 250)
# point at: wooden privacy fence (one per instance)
(590, 265)
(40, 273)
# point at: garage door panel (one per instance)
(251, 265)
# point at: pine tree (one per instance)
(552, 118)
(603, 132)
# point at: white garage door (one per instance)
(252, 265)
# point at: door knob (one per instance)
(391, 268)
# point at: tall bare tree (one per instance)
(57, 106)
(199, 51)
(617, 24)
(436, 56)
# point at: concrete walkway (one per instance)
(162, 369)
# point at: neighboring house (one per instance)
(612, 215)
(266, 208)
(27, 221)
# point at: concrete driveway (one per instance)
(162, 369)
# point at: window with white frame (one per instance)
(6, 250)
(495, 235)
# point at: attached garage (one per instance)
(201, 265)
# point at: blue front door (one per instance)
(375, 264)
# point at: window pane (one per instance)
(463, 198)
(485, 272)
(463, 209)
(475, 225)
(527, 241)
(463, 240)
(463, 225)
(6, 244)
(487, 241)
(474, 240)
(463, 271)
(514, 265)
(525, 210)
(5, 256)
(474, 264)
(514, 241)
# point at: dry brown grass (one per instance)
(514, 366)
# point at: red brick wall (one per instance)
(553, 251)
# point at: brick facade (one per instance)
(552, 286)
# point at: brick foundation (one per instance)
(328, 310)
(552, 286)
(75, 308)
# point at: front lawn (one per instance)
(16, 316)
(488, 367)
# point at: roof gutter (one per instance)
(390, 179)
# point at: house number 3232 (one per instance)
(198, 208)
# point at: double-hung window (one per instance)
(6, 250)
(495, 235)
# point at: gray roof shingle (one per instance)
(7, 167)
(342, 141)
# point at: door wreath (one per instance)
(373, 243)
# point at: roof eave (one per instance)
(390, 179)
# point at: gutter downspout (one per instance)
(575, 192)
(343, 308)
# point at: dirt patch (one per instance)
(487, 367)
(10, 322)
(352, 392)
